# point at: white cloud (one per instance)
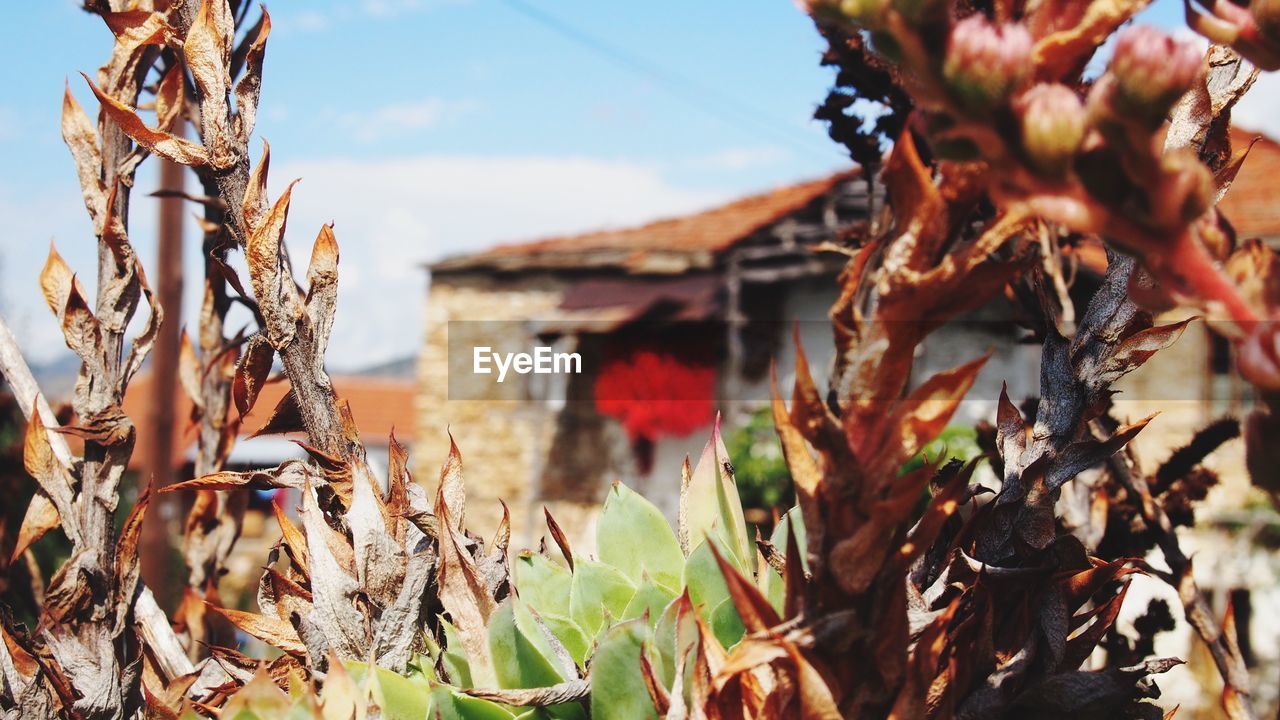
(311, 21)
(391, 217)
(1259, 109)
(742, 158)
(402, 118)
(394, 215)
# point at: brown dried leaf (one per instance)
(42, 464)
(273, 631)
(806, 476)
(255, 194)
(333, 588)
(56, 281)
(399, 626)
(271, 286)
(1137, 349)
(82, 140)
(817, 701)
(249, 87)
(942, 506)
(927, 410)
(286, 417)
(40, 518)
(166, 145)
(145, 341)
(170, 96)
(464, 595)
(189, 370)
(127, 572)
(294, 541)
(1065, 53)
(451, 495)
(380, 564)
(917, 204)
(561, 540)
(134, 28)
(398, 479)
(292, 474)
(251, 373)
(856, 559)
(322, 288)
(1080, 647)
(207, 50)
(753, 607)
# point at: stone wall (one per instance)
(503, 438)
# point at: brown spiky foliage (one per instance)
(915, 594)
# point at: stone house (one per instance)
(672, 321)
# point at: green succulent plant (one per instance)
(626, 617)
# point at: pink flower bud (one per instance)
(1152, 70)
(985, 64)
(1053, 126)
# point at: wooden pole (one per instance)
(158, 465)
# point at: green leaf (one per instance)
(398, 697)
(703, 578)
(597, 588)
(452, 705)
(676, 633)
(634, 537)
(650, 596)
(771, 583)
(571, 636)
(727, 624)
(543, 583)
(455, 658)
(711, 503)
(516, 659)
(618, 691)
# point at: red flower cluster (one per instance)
(655, 393)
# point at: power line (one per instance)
(708, 99)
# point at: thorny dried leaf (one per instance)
(251, 373)
(82, 140)
(207, 50)
(292, 474)
(273, 631)
(249, 86)
(41, 517)
(322, 289)
(463, 592)
(190, 372)
(272, 284)
(166, 145)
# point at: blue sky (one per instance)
(430, 127)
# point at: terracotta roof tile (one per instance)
(1251, 203)
(378, 404)
(706, 232)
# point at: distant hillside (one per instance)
(398, 368)
(57, 378)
